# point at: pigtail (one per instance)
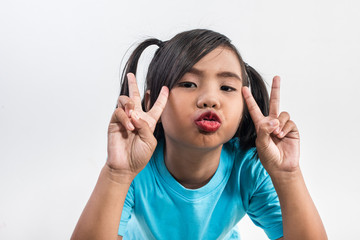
(176, 56)
(132, 64)
(247, 131)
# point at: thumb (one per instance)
(143, 130)
(265, 129)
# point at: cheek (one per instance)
(235, 114)
(165, 116)
(235, 121)
(173, 113)
(167, 111)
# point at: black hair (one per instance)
(177, 56)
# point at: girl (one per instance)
(183, 162)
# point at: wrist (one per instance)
(285, 177)
(118, 176)
(289, 185)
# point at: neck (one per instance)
(191, 167)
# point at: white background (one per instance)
(59, 81)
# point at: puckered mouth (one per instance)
(208, 122)
(208, 116)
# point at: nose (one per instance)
(208, 99)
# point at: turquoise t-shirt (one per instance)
(159, 207)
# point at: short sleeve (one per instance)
(127, 210)
(264, 207)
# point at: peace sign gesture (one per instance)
(130, 134)
(278, 141)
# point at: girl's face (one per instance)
(205, 107)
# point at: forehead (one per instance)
(220, 59)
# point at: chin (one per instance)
(203, 141)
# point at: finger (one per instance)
(160, 103)
(253, 108)
(289, 127)
(143, 129)
(134, 90)
(275, 97)
(119, 116)
(283, 118)
(126, 103)
(266, 127)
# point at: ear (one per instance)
(147, 100)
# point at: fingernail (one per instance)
(277, 130)
(130, 111)
(130, 126)
(281, 134)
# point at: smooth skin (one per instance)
(131, 144)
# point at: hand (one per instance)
(130, 134)
(278, 141)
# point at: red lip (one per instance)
(208, 122)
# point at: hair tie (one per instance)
(160, 43)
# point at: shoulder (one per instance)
(149, 178)
(247, 169)
(148, 173)
(243, 158)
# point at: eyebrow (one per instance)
(225, 74)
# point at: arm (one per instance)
(130, 145)
(101, 216)
(278, 146)
(300, 217)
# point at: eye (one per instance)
(227, 89)
(187, 84)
